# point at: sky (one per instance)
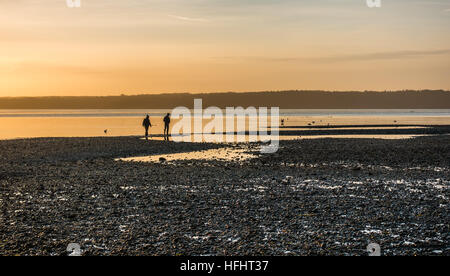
(112, 47)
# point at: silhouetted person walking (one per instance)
(166, 126)
(146, 124)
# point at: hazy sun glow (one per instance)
(109, 47)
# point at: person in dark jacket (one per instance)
(146, 124)
(166, 126)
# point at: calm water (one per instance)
(89, 123)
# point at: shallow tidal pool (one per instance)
(221, 154)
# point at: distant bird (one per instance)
(105, 131)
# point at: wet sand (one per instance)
(312, 197)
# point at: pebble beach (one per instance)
(312, 197)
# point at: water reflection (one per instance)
(221, 154)
(91, 123)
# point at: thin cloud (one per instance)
(190, 19)
(389, 55)
(356, 57)
(46, 68)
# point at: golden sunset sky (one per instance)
(110, 47)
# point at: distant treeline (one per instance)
(427, 99)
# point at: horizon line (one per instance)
(231, 92)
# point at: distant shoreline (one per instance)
(410, 99)
(379, 132)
